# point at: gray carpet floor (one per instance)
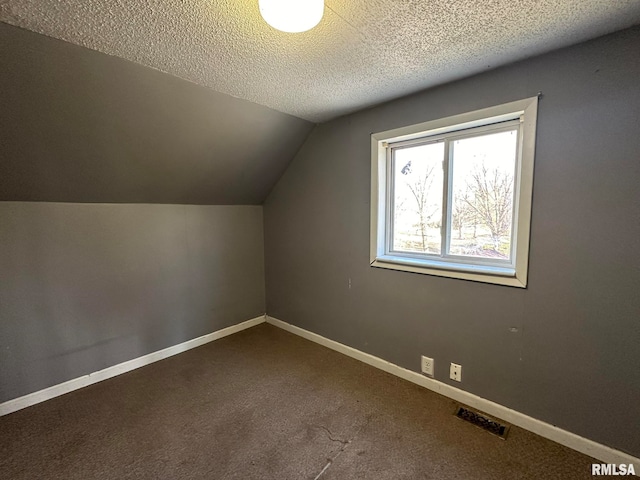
(265, 404)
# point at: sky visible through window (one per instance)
(418, 193)
(481, 210)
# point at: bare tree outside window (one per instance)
(420, 186)
(482, 210)
(462, 214)
(491, 200)
(418, 198)
(481, 207)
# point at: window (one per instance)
(452, 197)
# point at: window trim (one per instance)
(515, 276)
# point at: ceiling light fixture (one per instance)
(292, 16)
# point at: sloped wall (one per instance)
(77, 125)
(136, 259)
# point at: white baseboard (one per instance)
(95, 377)
(583, 445)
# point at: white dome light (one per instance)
(292, 16)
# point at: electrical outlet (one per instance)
(427, 366)
(455, 372)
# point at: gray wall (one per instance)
(84, 286)
(77, 125)
(87, 286)
(573, 360)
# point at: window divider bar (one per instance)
(390, 201)
(445, 228)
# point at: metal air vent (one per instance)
(482, 421)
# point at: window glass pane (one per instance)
(417, 198)
(482, 195)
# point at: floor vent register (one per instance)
(482, 421)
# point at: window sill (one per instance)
(478, 273)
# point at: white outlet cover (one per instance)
(427, 366)
(455, 372)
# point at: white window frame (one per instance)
(512, 273)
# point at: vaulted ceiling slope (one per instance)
(363, 52)
(77, 125)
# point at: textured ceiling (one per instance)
(362, 53)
